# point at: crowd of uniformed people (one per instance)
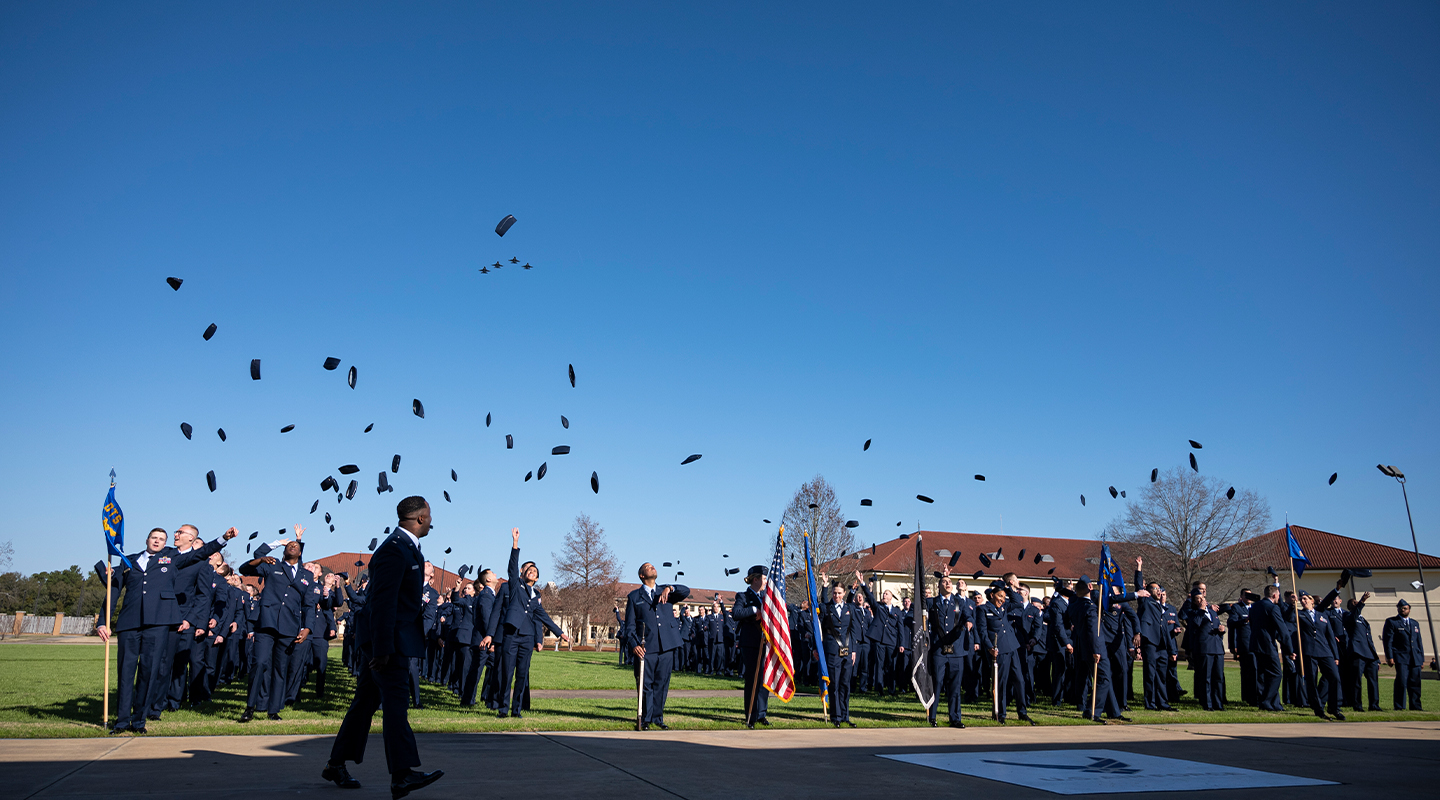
(188, 624)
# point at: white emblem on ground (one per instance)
(1100, 771)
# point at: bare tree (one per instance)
(588, 574)
(1188, 530)
(824, 524)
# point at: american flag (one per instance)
(778, 672)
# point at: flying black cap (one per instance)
(175, 283)
(372, 543)
(447, 496)
(287, 429)
(564, 423)
(866, 447)
(395, 463)
(560, 450)
(332, 528)
(922, 498)
(977, 574)
(453, 476)
(509, 442)
(1082, 499)
(210, 331)
(979, 477)
(221, 433)
(735, 571)
(253, 534)
(314, 506)
(852, 523)
(1193, 463)
(331, 363)
(689, 459)
(1021, 555)
(866, 502)
(1230, 495)
(350, 490)
(540, 473)
(595, 482)
(349, 469)
(186, 429)
(572, 376)
(210, 479)
(384, 485)
(529, 475)
(1196, 445)
(327, 517)
(418, 407)
(1113, 492)
(369, 428)
(1154, 474)
(1333, 476)
(350, 379)
(954, 557)
(487, 419)
(326, 484)
(984, 559)
(505, 224)
(254, 369)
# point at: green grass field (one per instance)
(53, 691)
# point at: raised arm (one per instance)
(513, 571)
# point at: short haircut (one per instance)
(1007, 577)
(157, 530)
(1272, 589)
(483, 573)
(193, 529)
(409, 506)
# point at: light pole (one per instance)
(1392, 472)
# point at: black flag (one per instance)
(920, 676)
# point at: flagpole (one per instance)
(105, 692)
(1299, 640)
(755, 685)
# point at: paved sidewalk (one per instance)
(1400, 759)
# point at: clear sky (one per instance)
(1047, 243)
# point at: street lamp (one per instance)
(1392, 472)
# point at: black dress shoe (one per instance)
(957, 724)
(119, 729)
(1169, 708)
(1026, 717)
(662, 726)
(248, 715)
(405, 784)
(763, 721)
(153, 717)
(1002, 720)
(1321, 715)
(848, 722)
(934, 724)
(503, 714)
(339, 776)
(1339, 716)
(750, 726)
(138, 730)
(837, 723)
(275, 717)
(1124, 718)
(516, 714)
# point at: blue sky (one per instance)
(1048, 244)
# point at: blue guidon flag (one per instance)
(112, 520)
(1298, 561)
(1109, 573)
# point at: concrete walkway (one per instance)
(1398, 759)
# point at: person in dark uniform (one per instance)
(863, 618)
(1361, 653)
(1322, 677)
(427, 666)
(837, 629)
(750, 639)
(1337, 619)
(1405, 651)
(950, 620)
(312, 619)
(392, 632)
(281, 628)
(999, 624)
(1060, 651)
(194, 591)
(323, 620)
(143, 623)
(884, 639)
(1238, 622)
(654, 640)
(483, 637)
(252, 625)
(715, 639)
(1207, 637)
(1154, 643)
(1091, 645)
(1268, 633)
(1034, 645)
(1172, 624)
(521, 613)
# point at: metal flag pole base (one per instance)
(640, 696)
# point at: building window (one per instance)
(1384, 591)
